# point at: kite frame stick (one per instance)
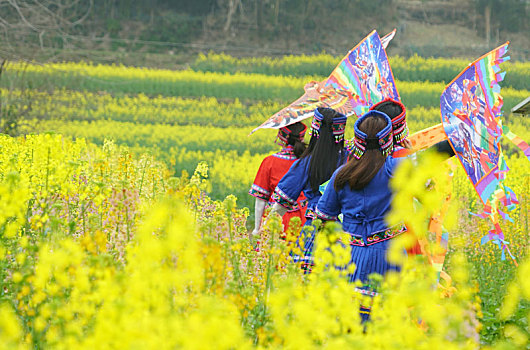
(423, 139)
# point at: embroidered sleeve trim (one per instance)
(325, 216)
(283, 195)
(259, 195)
(260, 189)
(284, 200)
(259, 192)
(310, 214)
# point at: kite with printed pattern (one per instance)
(360, 80)
(471, 116)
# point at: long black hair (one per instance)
(324, 151)
(359, 172)
(294, 140)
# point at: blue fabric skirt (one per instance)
(370, 259)
(305, 243)
(367, 259)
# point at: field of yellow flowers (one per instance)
(103, 249)
(107, 241)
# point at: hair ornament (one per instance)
(399, 123)
(338, 126)
(285, 132)
(383, 140)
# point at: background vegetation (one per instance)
(96, 192)
(166, 33)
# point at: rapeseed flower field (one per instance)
(124, 222)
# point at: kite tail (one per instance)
(503, 196)
(517, 141)
(489, 76)
(496, 236)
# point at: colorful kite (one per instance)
(471, 116)
(361, 79)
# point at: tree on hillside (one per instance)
(294, 20)
(25, 25)
(502, 16)
(31, 22)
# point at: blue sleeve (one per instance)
(392, 163)
(328, 207)
(291, 185)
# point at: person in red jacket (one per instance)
(272, 169)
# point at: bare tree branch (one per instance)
(29, 23)
(38, 15)
(41, 41)
(230, 14)
(22, 17)
(87, 13)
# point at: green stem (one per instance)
(127, 222)
(142, 180)
(47, 169)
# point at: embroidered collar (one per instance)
(286, 153)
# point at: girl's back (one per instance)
(364, 209)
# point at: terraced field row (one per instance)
(406, 69)
(188, 83)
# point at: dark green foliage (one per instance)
(506, 15)
(173, 27)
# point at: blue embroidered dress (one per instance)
(364, 214)
(295, 181)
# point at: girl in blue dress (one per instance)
(360, 190)
(324, 154)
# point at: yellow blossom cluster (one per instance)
(189, 277)
(100, 247)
